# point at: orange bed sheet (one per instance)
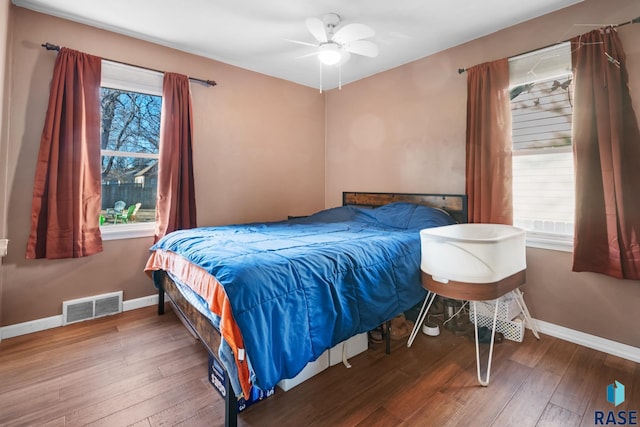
(205, 285)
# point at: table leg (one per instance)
(527, 316)
(484, 382)
(428, 300)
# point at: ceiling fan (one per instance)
(334, 45)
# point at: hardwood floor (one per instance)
(140, 369)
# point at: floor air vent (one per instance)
(81, 309)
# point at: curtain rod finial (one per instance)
(50, 46)
(461, 70)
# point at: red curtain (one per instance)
(176, 205)
(606, 144)
(488, 156)
(66, 200)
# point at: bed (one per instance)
(267, 298)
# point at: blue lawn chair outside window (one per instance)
(116, 211)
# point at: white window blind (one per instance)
(126, 77)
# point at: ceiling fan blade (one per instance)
(362, 47)
(316, 28)
(352, 32)
(302, 43)
(306, 55)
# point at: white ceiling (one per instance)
(252, 34)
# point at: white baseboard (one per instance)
(37, 325)
(133, 304)
(30, 326)
(591, 341)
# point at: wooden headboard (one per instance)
(455, 204)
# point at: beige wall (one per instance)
(404, 130)
(4, 37)
(259, 155)
(4, 43)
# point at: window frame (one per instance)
(547, 62)
(120, 76)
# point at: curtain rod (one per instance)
(50, 46)
(633, 21)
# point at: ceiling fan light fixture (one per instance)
(329, 53)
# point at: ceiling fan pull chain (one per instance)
(320, 65)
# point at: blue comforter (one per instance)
(301, 286)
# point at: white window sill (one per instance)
(128, 231)
(550, 241)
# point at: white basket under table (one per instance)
(473, 262)
(510, 320)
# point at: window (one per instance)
(131, 101)
(543, 180)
